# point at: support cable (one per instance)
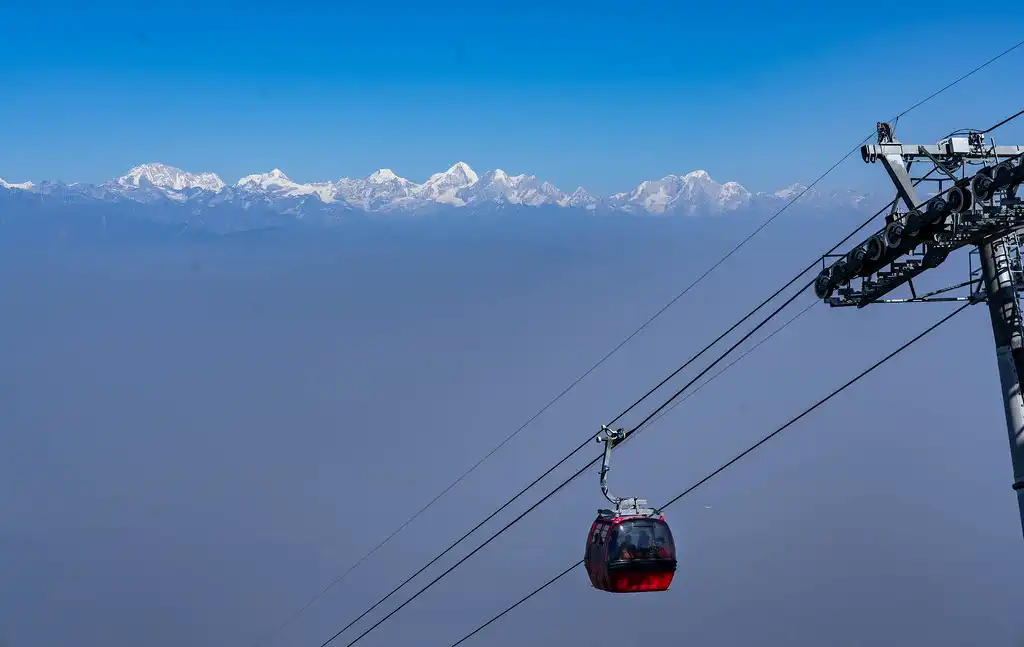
(729, 463)
(769, 317)
(337, 580)
(629, 434)
(640, 400)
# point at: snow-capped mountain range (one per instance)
(192, 197)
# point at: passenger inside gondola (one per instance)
(634, 540)
(643, 543)
(628, 549)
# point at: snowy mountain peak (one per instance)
(791, 191)
(24, 186)
(444, 187)
(499, 186)
(275, 177)
(695, 193)
(277, 183)
(579, 198)
(460, 173)
(464, 169)
(733, 195)
(164, 176)
(383, 175)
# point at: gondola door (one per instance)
(601, 555)
(595, 559)
(590, 559)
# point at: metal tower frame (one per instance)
(977, 208)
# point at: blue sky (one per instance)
(191, 458)
(597, 94)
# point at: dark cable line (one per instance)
(605, 358)
(580, 447)
(1004, 121)
(822, 401)
(964, 131)
(735, 361)
(589, 438)
(730, 462)
(628, 434)
(550, 494)
(952, 83)
(513, 607)
(572, 385)
(777, 431)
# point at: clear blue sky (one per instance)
(597, 94)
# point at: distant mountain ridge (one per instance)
(168, 194)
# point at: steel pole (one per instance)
(1004, 311)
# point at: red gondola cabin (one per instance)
(630, 553)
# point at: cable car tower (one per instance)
(976, 204)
